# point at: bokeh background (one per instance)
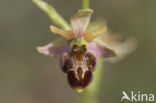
(29, 77)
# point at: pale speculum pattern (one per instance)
(79, 73)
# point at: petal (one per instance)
(80, 21)
(91, 35)
(66, 34)
(101, 50)
(55, 48)
(122, 47)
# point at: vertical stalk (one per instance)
(85, 4)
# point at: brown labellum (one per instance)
(79, 72)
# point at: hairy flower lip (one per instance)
(79, 73)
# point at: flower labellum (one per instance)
(79, 50)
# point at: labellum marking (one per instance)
(79, 67)
(79, 71)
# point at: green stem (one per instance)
(54, 16)
(85, 4)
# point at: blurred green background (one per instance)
(29, 77)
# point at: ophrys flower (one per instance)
(78, 50)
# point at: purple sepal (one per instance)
(51, 50)
(100, 51)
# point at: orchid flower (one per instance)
(79, 49)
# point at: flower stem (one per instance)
(85, 4)
(54, 16)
